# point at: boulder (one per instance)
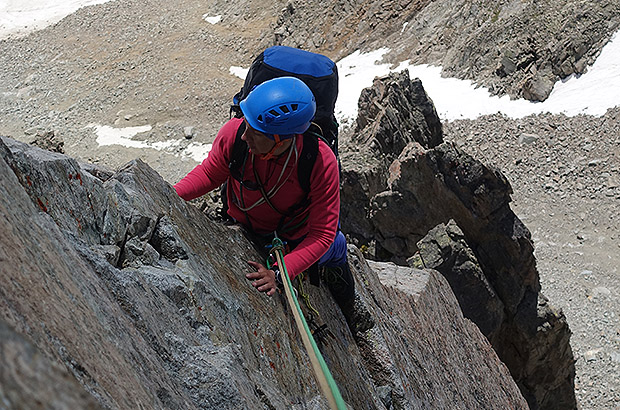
(49, 140)
(538, 87)
(445, 249)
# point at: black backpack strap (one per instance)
(305, 164)
(308, 156)
(239, 154)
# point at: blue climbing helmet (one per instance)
(283, 106)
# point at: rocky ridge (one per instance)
(565, 173)
(142, 299)
(416, 184)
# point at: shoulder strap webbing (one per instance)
(239, 154)
(305, 165)
(308, 156)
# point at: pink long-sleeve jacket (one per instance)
(320, 228)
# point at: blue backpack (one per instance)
(321, 75)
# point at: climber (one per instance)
(264, 193)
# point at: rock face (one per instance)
(29, 378)
(399, 113)
(533, 330)
(415, 304)
(124, 296)
(486, 250)
(446, 250)
(519, 48)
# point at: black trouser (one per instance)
(340, 283)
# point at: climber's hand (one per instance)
(264, 280)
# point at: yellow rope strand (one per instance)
(306, 297)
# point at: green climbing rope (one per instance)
(324, 377)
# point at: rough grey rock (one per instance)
(389, 109)
(425, 187)
(189, 132)
(445, 249)
(538, 87)
(574, 225)
(526, 138)
(29, 379)
(82, 212)
(407, 302)
(173, 323)
(158, 55)
(541, 330)
(49, 140)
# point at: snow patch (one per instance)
(592, 93)
(211, 19)
(197, 152)
(20, 17)
(107, 135)
(356, 72)
(239, 71)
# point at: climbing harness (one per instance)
(323, 375)
(279, 183)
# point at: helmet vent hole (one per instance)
(284, 109)
(294, 107)
(260, 118)
(274, 113)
